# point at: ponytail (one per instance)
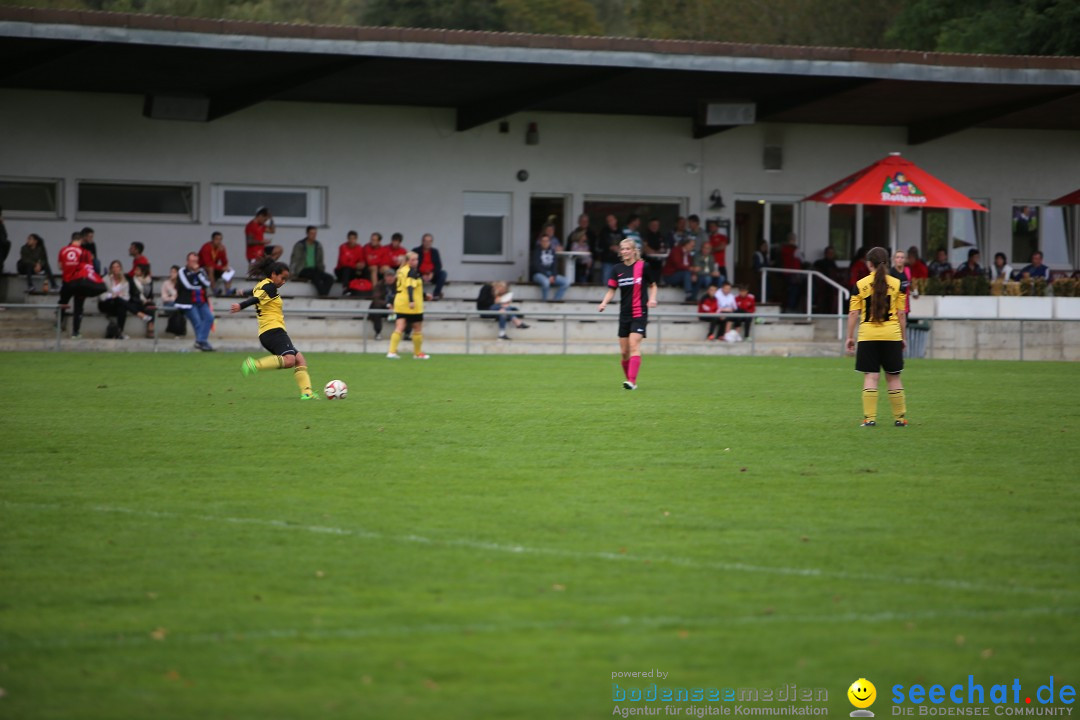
(267, 266)
(879, 295)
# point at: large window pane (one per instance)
(282, 203)
(120, 199)
(964, 235)
(842, 230)
(1025, 233)
(781, 222)
(35, 197)
(935, 235)
(875, 226)
(1055, 237)
(486, 224)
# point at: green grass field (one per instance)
(493, 537)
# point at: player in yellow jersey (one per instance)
(409, 305)
(272, 335)
(877, 307)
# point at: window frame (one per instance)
(317, 202)
(58, 185)
(1069, 217)
(113, 216)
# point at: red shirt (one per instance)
(707, 305)
(255, 234)
(139, 260)
(348, 256)
(676, 261)
(858, 272)
(72, 260)
(427, 265)
(212, 257)
(919, 270)
(395, 255)
(746, 303)
(377, 256)
(719, 241)
(789, 257)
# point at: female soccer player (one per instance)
(630, 277)
(879, 304)
(272, 333)
(409, 305)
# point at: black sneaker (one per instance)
(902, 422)
(504, 337)
(868, 423)
(523, 326)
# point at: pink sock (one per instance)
(632, 369)
(626, 369)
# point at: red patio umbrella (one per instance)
(1072, 198)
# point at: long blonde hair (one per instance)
(634, 245)
(407, 257)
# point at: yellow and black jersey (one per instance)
(268, 306)
(410, 287)
(860, 302)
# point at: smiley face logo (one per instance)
(862, 693)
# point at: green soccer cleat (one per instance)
(248, 367)
(312, 396)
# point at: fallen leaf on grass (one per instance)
(319, 574)
(960, 640)
(431, 684)
(159, 633)
(172, 675)
(987, 653)
(558, 588)
(684, 634)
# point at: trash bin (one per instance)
(917, 333)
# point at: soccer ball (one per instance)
(336, 390)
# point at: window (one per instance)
(1044, 228)
(31, 198)
(290, 206)
(954, 231)
(855, 226)
(487, 225)
(135, 201)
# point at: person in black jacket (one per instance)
(607, 247)
(543, 270)
(431, 269)
(494, 302)
(33, 259)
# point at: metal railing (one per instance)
(841, 297)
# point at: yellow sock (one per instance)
(869, 403)
(395, 338)
(303, 380)
(899, 403)
(270, 362)
(417, 343)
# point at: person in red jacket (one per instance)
(215, 261)
(918, 267)
(350, 260)
(395, 251)
(80, 279)
(377, 257)
(255, 233)
(678, 268)
(708, 306)
(746, 304)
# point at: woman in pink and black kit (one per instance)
(630, 278)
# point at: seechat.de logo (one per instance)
(862, 695)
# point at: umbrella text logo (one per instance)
(897, 188)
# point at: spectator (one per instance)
(177, 324)
(274, 252)
(726, 305)
(579, 242)
(590, 240)
(858, 269)
(135, 250)
(5, 243)
(494, 301)
(745, 304)
(350, 261)
(430, 266)
(707, 306)
(255, 233)
(902, 272)
(81, 280)
(678, 235)
(678, 269)
(695, 232)
(91, 247)
(655, 246)
(608, 247)
(791, 258)
(707, 269)
(543, 270)
(113, 303)
(919, 270)
(719, 242)
(1001, 270)
(395, 251)
(549, 229)
(377, 257)
(215, 261)
(382, 298)
(825, 295)
(192, 296)
(761, 257)
(307, 262)
(34, 260)
(632, 231)
(971, 267)
(1036, 269)
(141, 301)
(941, 267)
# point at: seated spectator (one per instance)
(590, 247)
(1001, 270)
(255, 233)
(1036, 269)
(377, 257)
(654, 246)
(919, 270)
(396, 251)
(382, 298)
(215, 261)
(745, 304)
(135, 250)
(350, 261)
(941, 267)
(307, 262)
(579, 242)
(430, 267)
(177, 324)
(274, 251)
(726, 304)
(113, 303)
(971, 267)
(708, 306)
(34, 260)
(678, 270)
(707, 269)
(141, 291)
(494, 301)
(543, 270)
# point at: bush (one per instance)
(1033, 287)
(1066, 287)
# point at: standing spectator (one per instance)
(761, 258)
(549, 229)
(307, 262)
(919, 270)
(678, 269)
(608, 247)
(409, 307)
(5, 242)
(632, 231)
(1001, 270)
(215, 261)
(395, 251)
(90, 246)
(707, 306)
(135, 250)
(695, 232)
(971, 267)
(350, 261)
(113, 303)
(824, 293)
(494, 301)
(745, 304)
(255, 233)
(1036, 269)
(630, 280)
(193, 297)
(431, 268)
(587, 232)
(34, 260)
(543, 270)
(579, 242)
(654, 246)
(377, 257)
(678, 235)
(858, 269)
(81, 280)
(902, 273)
(719, 242)
(791, 259)
(941, 267)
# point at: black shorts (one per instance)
(634, 325)
(277, 341)
(412, 317)
(873, 355)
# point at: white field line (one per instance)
(722, 566)
(595, 626)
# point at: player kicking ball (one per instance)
(630, 278)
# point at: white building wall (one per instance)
(401, 169)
